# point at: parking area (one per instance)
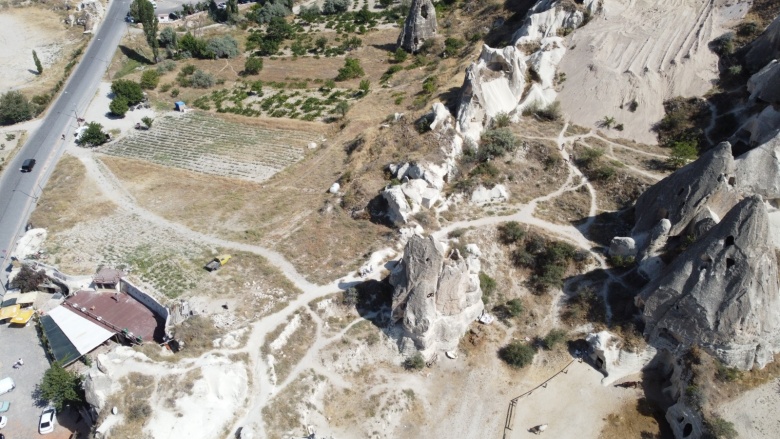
(25, 409)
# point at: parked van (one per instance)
(6, 385)
(27, 165)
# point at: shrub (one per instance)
(223, 47)
(150, 79)
(510, 232)
(502, 120)
(365, 86)
(270, 11)
(517, 354)
(201, 79)
(727, 374)
(147, 121)
(487, 284)
(720, 428)
(349, 297)
(452, 46)
(415, 362)
(514, 307)
(429, 85)
(724, 44)
(168, 65)
(619, 261)
(400, 55)
(169, 38)
(188, 70)
(682, 153)
(554, 338)
(129, 90)
(15, 108)
(253, 65)
(495, 143)
(93, 135)
(351, 70)
(118, 106)
(28, 279)
(332, 7)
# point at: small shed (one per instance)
(180, 106)
(108, 279)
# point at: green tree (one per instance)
(554, 338)
(517, 354)
(38, 64)
(400, 55)
(351, 70)
(223, 47)
(150, 79)
(514, 307)
(129, 90)
(415, 362)
(147, 121)
(60, 387)
(682, 153)
(253, 65)
(28, 279)
(15, 108)
(93, 135)
(119, 106)
(495, 143)
(169, 38)
(341, 108)
(144, 13)
(331, 7)
(232, 7)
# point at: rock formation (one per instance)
(435, 297)
(706, 183)
(758, 170)
(721, 293)
(420, 187)
(607, 353)
(765, 48)
(420, 25)
(494, 84)
(763, 85)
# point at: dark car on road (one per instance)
(27, 165)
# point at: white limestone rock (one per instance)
(613, 360)
(765, 83)
(622, 246)
(482, 195)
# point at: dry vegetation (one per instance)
(59, 207)
(133, 403)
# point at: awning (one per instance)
(8, 312)
(22, 317)
(61, 348)
(83, 333)
(27, 299)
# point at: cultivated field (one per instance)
(203, 143)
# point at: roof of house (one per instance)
(118, 311)
(108, 276)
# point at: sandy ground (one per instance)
(21, 32)
(98, 112)
(643, 50)
(756, 413)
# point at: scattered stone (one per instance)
(334, 188)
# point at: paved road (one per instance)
(20, 191)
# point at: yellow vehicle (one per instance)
(217, 262)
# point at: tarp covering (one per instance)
(23, 317)
(84, 334)
(62, 349)
(8, 312)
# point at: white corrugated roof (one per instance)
(82, 332)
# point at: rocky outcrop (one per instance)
(758, 170)
(721, 293)
(482, 195)
(420, 188)
(494, 84)
(685, 422)
(765, 48)
(420, 25)
(435, 296)
(622, 247)
(763, 85)
(707, 183)
(608, 354)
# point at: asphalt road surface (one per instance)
(19, 191)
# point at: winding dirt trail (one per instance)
(265, 388)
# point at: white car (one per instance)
(3, 421)
(48, 418)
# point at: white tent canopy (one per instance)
(85, 334)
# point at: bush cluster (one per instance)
(517, 354)
(547, 259)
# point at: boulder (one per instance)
(708, 182)
(609, 356)
(721, 293)
(435, 297)
(420, 26)
(494, 84)
(685, 422)
(763, 85)
(622, 246)
(398, 209)
(765, 48)
(334, 188)
(97, 386)
(440, 117)
(483, 195)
